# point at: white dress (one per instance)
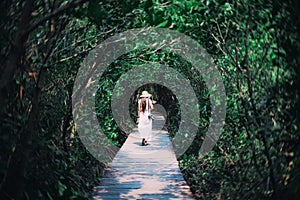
(145, 124)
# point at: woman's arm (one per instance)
(150, 104)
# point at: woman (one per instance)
(144, 120)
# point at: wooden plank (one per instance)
(144, 172)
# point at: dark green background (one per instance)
(255, 45)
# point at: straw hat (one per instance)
(145, 94)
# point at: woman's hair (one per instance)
(143, 104)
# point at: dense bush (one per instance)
(255, 46)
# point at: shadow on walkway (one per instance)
(144, 172)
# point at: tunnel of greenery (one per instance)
(254, 44)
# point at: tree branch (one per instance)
(55, 13)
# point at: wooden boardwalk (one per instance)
(144, 172)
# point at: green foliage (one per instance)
(254, 44)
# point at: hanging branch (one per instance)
(18, 44)
(256, 120)
(55, 13)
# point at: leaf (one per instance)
(163, 24)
